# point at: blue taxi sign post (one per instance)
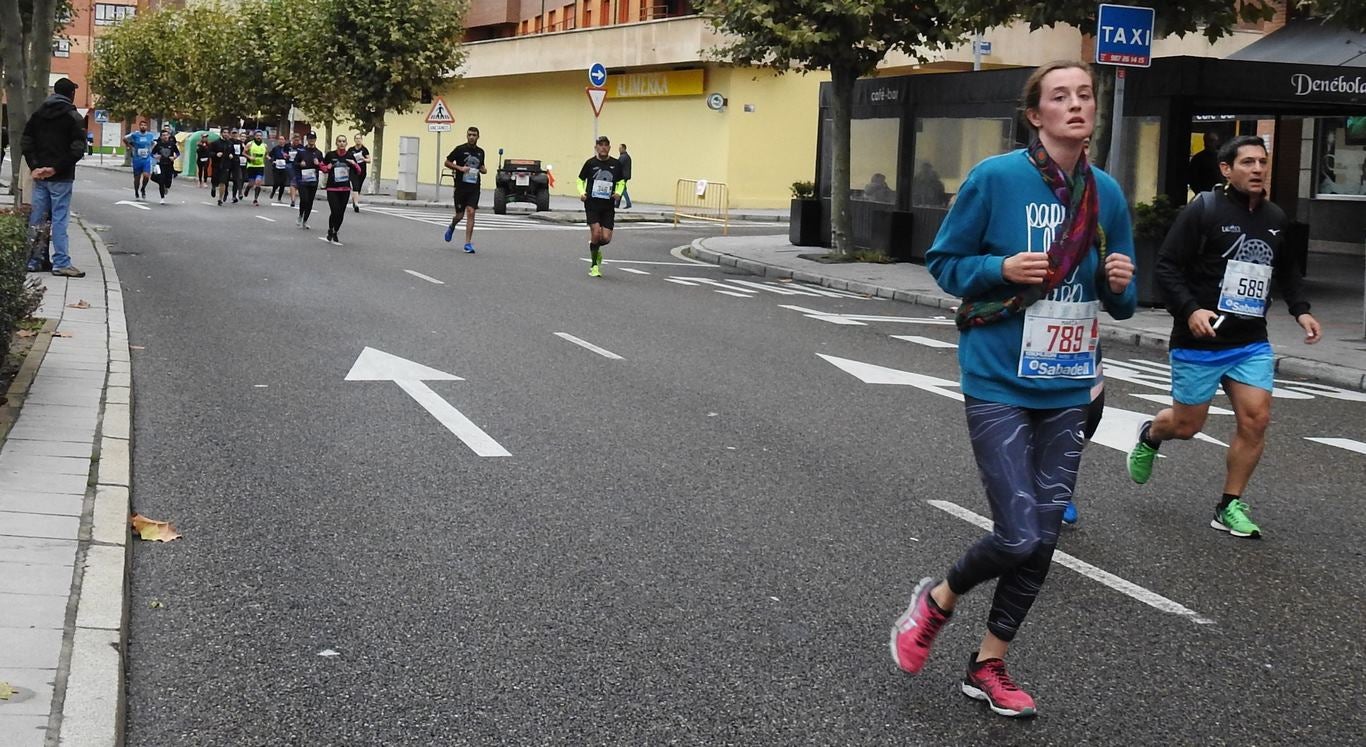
(1124, 38)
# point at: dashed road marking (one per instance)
(1341, 443)
(428, 278)
(589, 346)
(928, 342)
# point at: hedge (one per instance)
(18, 299)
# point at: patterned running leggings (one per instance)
(1028, 460)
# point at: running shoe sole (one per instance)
(1221, 526)
(975, 693)
(901, 621)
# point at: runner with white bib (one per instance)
(339, 165)
(601, 182)
(307, 163)
(1037, 244)
(1216, 269)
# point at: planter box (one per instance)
(804, 226)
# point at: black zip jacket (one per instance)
(54, 137)
(1215, 227)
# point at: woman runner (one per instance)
(1035, 243)
(361, 154)
(201, 155)
(339, 166)
(306, 167)
(164, 153)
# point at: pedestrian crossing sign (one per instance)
(439, 113)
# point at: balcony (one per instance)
(671, 41)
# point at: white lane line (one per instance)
(737, 294)
(644, 262)
(859, 319)
(210, 204)
(928, 342)
(589, 346)
(1341, 443)
(428, 278)
(1129, 588)
(680, 282)
(634, 271)
(1166, 399)
(264, 218)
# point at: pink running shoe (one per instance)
(989, 681)
(914, 631)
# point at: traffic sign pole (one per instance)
(1124, 38)
(1116, 158)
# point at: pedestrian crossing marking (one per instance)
(733, 293)
(482, 222)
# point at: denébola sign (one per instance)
(1306, 85)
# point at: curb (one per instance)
(93, 704)
(1286, 365)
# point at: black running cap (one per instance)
(312, 136)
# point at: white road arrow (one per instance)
(137, 205)
(377, 365)
(871, 374)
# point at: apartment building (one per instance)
(523, 84)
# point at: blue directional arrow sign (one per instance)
(597, 74)
(1124, 36)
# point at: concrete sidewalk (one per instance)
(1334, 286)
(64, 501)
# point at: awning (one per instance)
(1308, 42)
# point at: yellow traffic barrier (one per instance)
(703, 200)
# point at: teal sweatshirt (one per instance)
(1004, 208)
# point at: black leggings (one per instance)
(308, 192)
(336, 200)
(280, 183)
(1028, 460)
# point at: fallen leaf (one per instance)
(784, 280)
(328, 653)
(81, 304)
(6, 691)
(136, 347)
(63, 334)
(155, 604)
(151, 530)
(25, 333)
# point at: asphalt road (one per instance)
(701, 542)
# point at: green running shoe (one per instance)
(594, 272)
(1234, 520)
(1141, 459)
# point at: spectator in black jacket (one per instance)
(53, 141)
(625, 160)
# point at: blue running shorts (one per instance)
(142, 166)
(1197, 374)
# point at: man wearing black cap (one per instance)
(601, 183)
(53, 141)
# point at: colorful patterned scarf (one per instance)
(1070, 245)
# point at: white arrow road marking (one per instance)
(377, 365)
(264, 218)
(1166, 400)
(1118, 427)
(1322, 390)
(589, 346)
(1341, 443)
(428, 278)
(1128, 588)
(928, 342)
(137, 205)
(872, 374)
(1158, 376)
(859, 319)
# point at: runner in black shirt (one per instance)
(202, 154)
(468, 162)
(361, 155)
(280, 156)
(164, 152)
(221, 152)
(306, 162)
(600, 186)
(339, 166)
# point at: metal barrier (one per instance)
(703, 200)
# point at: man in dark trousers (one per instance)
(625, 160)
(53, 141)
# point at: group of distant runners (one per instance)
(234, 167)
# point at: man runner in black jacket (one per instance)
(1216, 269)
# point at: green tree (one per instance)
(124, 70)
(384, 53)
(846, 37)
(292, 58)
(27, 28)
(1350, 14)
(1211, 18)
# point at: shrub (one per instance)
(18, 299)
(1153, 219)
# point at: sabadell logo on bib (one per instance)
(1305, 85)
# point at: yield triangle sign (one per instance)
(596, 96)
(440, 113)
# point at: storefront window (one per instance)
(1340, 158)
(1141, 158)
(946, 150)
(874, 145)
